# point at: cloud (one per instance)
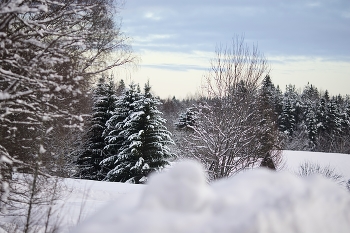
(152, 38)
(183, 61)
(152, 16)
(296, 28)
(303, 40)
(176, 67)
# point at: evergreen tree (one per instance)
(326, 96)
(143, 148)
(311, 126)
(113, 136)
(291, 111)
(346, 117)
(322, 122)
(321, 113)
(170, 108)
(268, 90)
(268, 138)
(277, 102)
(92, 153)
(287, 122)
(310, 94)
(333, 118)
(187, 118)
(309, 103)
(121, 87)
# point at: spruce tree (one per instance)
(268, 138)
(321, 115)
(121, 87)
(92, 153)
(290, 117)
(311, 126)
(309, 103)
(277, 102)
(333, 118)
(268, 90)
(187, 119)
(287, 122)
(115, 126)
(144, 141)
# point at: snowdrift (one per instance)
(180, 200)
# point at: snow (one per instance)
(4, 95)
(42, 149)
(5, 159)
(84, 197)
(340, 162)
(180, 200)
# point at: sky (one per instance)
(303, 41)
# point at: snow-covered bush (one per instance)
(308, 169)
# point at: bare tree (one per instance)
(49, 53)
(233, 66)
(5, 175)
(228, 133)
(30, 207)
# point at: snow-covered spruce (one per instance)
(89, 158)
(137, 138)
(187, 119)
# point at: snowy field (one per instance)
(340, 162)
(180, 200)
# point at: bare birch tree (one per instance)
(233, 66)
(228, 134)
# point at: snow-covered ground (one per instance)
(180, 200)
(85, 197)
(340, 162)
(255, 201)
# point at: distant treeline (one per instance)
(307, 119)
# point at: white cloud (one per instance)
(152, 16)
(194, 58)
(180, 74)
(152, 37)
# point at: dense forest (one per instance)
(302, 119)
(307, 119)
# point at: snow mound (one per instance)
(183, 188)
(261, 201)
